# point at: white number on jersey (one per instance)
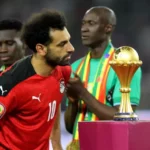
(52, 110)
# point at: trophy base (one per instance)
(125, 117)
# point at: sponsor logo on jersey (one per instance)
(62, 86)
(2, 90)
(37, 98)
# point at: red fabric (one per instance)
(25, 124)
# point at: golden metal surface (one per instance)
(125, 62)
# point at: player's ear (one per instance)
(41, 49)
(108, 28)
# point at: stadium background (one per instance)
(133, 29)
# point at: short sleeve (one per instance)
(135, 86)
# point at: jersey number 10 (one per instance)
(52, 110)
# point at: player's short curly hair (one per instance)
(10, 24)
(36, 29)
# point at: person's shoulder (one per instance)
(139, 71)
(138, 74)
(76, 63)
(67, 67)
(66, 71)
(13, 75)
(7, 79)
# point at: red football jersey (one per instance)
(28, 105)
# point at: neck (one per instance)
(40, 66)
(97, 52)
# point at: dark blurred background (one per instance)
(133, 26)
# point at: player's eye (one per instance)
(10, 43)
(62, 43)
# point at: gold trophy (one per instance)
(125, 62)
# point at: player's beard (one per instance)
(54, 61)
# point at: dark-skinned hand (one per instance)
(75, 87)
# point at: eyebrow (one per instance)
(7, 40)
(65, 41)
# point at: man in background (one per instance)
(11, 46)
(94, 91)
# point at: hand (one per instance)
(75, 87)
(72, 100)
